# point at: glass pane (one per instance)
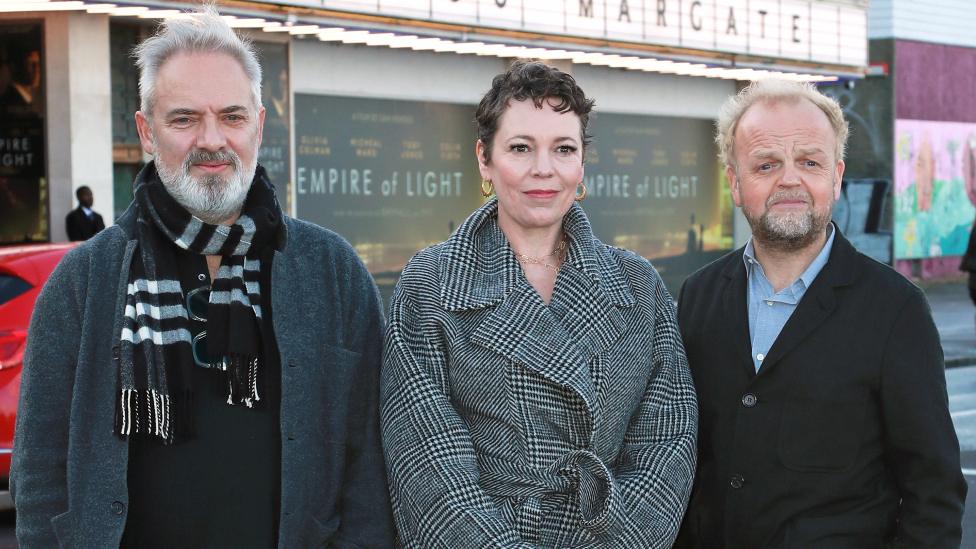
(11, 287)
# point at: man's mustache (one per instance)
(784, 196)
(198, 156)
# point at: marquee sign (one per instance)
(809, 30)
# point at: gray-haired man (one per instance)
(204, 373)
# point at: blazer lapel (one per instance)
(736, 311)
(817, 303)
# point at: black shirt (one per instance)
(220, 486)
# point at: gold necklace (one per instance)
(559, 253)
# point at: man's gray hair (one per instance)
(202, 32)
(772, 91)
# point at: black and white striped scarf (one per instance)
(155, 353)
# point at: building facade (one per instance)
(914, 130)
(370, 106)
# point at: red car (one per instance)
(23, 271)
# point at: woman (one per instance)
(535, 391)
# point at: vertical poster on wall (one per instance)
(275, 153)
(23, 183)
(935, 187)
(654, 187)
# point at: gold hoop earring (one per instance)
(581, 195)
(491, 188)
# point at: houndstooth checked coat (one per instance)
(510, 423)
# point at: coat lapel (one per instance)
(817, 303)
(558, 341)
(522, 329)
(736, 311)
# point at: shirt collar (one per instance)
(818, 262)
(749, 259)
(87, 211)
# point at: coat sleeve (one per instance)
(366, 516)
(655, 469)
(920, 441)
(433, 469)
(38, 476)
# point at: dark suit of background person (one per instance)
(81, 226)
(842, 438)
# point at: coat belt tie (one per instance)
(579, 471)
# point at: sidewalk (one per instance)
(955, 317)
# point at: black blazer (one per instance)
(843, 439)
(79, 227)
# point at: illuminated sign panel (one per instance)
(806, 30)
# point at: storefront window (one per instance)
(23, 175)
(275, 153)
(126, 150)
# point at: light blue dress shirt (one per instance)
(769, 310)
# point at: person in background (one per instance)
(968, 264)
(819, 371)
(82, 222)
(204, 373)
(535, 392)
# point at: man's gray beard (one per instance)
(210, 198)
(789, 231)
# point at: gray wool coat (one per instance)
(68, 478)
(511, 423)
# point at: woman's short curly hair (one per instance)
(538, 82)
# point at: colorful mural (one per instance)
(935, 187)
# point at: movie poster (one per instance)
(394, 177)
(654, 187)
(275, 153)
(23, 182)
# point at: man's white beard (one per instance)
(791, 230)
(210, 198)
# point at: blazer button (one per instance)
(737, 481)
(749, 400)
(118, 507)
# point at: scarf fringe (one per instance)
(242, 380)
(153, 413)
(146, 412)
